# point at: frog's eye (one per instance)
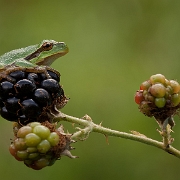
(47, 46)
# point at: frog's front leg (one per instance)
(42, 69)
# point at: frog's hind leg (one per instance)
(29, 67)
(5, 76)
(4, 72)
(42, 69)
(18, 65)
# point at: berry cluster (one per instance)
(40, 145)
(30, 96)
(158, 97)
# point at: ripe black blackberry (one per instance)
(28, 96)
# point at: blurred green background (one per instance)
(114, 46)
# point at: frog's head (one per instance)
(47, 52)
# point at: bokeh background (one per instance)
(114, 46)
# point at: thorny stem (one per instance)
(89, 127)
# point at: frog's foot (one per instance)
(42, 69)
(34, 68)
(4, 72)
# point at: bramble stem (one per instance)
(89, 127)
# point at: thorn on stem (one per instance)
(107, 140)
(137, 133)
(86, 117)
(100, 124)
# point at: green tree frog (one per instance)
(36, 58)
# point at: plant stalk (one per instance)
(89, 127)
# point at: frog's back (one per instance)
(13, 55)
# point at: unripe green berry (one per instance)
(28, 162)
(53, 139)
(32, 139)
(145, 92)
(22, 154)
(145, 85)
(157, 78)
(175, 98)
(160, 102)
(33, 155)
(167, 82)
(169, 90)
(158, 90)
(150, 98)
(20, 144)
(33, 124)
(42, 131)
(23, 131)
(31, 149)
(44, 146)
(175, 86)
(41, 163)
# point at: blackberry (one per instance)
(28, 95)
(159, 97)
(40, 145)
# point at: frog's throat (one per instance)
(47, 61)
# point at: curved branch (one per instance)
(89, 127)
